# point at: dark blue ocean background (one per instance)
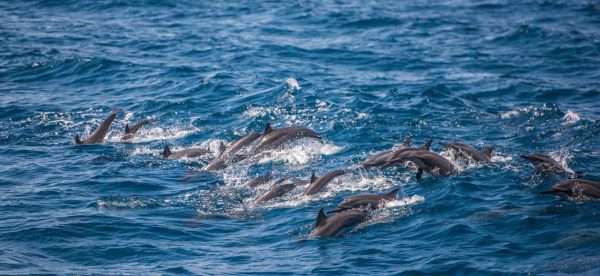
(522, 76)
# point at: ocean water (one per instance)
(522, 76)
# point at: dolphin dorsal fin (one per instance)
(392, 194)
(407, 142)
(321, 218)
(268, 129)
(427, 146)
(167, 151)
(222, 147)
(126, 128)
(78, 140)
(313, 177)
(488, 151)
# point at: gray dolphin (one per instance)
(279, 189)
(546, 164)
(275, 138)
(461, 149)
(130, 131)
(101, 131)
(229, 155)
(429, 162)
(239, 144)
(192, 152)
(576, 188)
(318, 183)
(394, 157)
(365, 201)
(259, 180)
(334, 225)
(381, 158)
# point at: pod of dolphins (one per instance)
(355, 209)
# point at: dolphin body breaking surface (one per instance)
(280, 189)
(130, 131)
(381, 158)
(365, 201)
(191, 153)
(336, 224)
(276, 138)
(259, 180)
(576, 188)
(318, 183)
(100, 132)
(461, 149)
(546, 164)
(394, 158)
(230, 154)
(429, 162)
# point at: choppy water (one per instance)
(522, 77)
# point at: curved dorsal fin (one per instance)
(78, 140)
(407, 142)
(222, 147)
(488, 151)
(167, 151)
(427, 146)
(392, 194)
(313, 177)
(126, 128)
(321, 218)
(268, 129)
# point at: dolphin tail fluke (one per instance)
(427, 145)
(337, 210)
(407, 142)
(78, 140)
(166, 151)
(321, 218)
(127, 129)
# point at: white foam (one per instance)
(146, 134)
(562, 156)
(300, 152)
(571, 117)
(293, 85)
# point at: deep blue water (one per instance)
(522, 76)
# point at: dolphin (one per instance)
(239, 144)
(461, 149)
(130, 131)
(393, 159)
(545, 163)
(259, 180)
(229, 155)
(275, 138)
(429, 162)
(101, 131)
(381, 158)
(280, 190)
(576, 188)
(318, 183)
(365, 201)
(191, 152)
(334, 225)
